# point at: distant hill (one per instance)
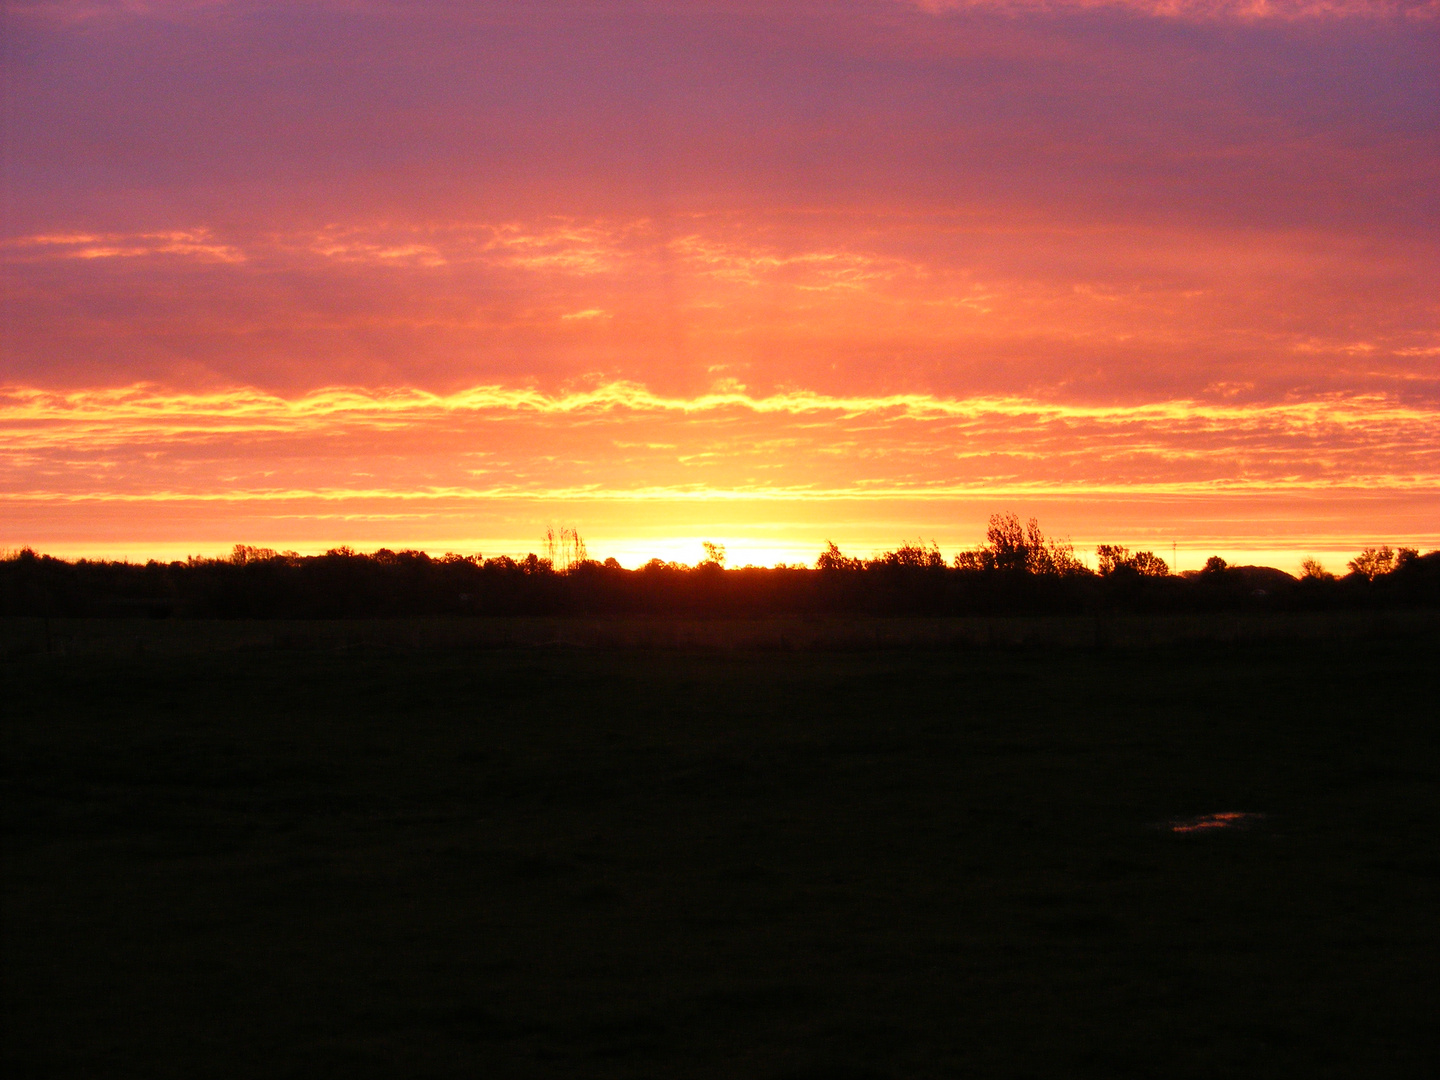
(1254, 577)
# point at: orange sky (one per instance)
(440, 275)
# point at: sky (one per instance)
(439, 275)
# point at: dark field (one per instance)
(648, 862)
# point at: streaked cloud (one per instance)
(198, 243)
(82, 11)
(855, 302)
(179, 411)
(1240, 10)
(78, 11)
(622, 440)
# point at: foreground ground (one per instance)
(647, 862)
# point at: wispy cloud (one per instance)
(1200, 10)
(20, 404)
(623, 439)
(842, 301)
(81, 11)
(198, 243)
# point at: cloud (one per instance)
(21, 404)
(84, 11)
(1200, 10)
(79, 11)
(623, 440)
(860, 303)
(198, 243)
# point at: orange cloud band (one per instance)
(179, 410)
(623, 441)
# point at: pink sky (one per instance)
(438, 275)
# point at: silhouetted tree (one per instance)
(916, 556)
(1011, 547)
(832, 558)
(1018, 570)
(1117, 559)
(1373, 562)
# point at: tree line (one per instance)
(1016, 570)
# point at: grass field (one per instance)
(21, 637)
(304, 861)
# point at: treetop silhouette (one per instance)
(1018, 570)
